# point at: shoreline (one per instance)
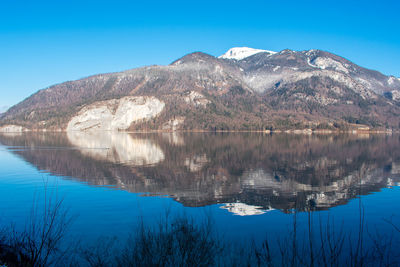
(278, 131)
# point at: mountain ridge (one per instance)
(264, 90)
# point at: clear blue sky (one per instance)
(48, 42)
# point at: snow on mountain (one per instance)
(395, 95)
(240, 53)
(240, 90)
(391, 80)
(325, 62)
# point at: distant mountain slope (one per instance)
(244, 89)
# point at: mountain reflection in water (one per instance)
(117, 148)
(250, 173)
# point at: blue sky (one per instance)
(48, 42)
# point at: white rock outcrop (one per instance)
(395, 95)
(12, 129)
(173, 124)
(116, 114)
(196, 99)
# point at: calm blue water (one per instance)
(250, 184)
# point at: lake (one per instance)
(250, 184)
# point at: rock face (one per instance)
(173, 124)
(244, 89)
(12, 129)
(114, 115)
(196, 99)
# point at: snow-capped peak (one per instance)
(240, 53)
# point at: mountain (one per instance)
(244, 89)
(3, 109)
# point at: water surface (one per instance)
(250, 184)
